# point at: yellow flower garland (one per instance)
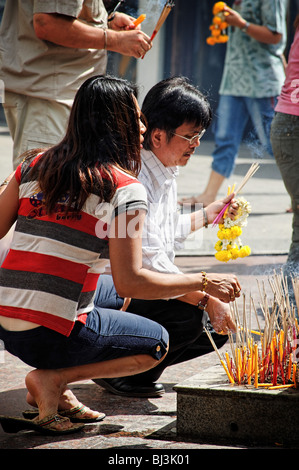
(229, 245)
(218, 26)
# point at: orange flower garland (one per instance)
(218, 26)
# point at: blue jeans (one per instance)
(184, 323)
(232, 116)
(107, 334)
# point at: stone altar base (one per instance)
(210, 409)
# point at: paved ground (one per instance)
(134, 425)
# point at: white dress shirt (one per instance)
(165, 229)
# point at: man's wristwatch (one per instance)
(203, 302)
(244, 29)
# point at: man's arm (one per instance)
(71, 32)
(258, 32)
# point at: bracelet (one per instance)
(205, 215)
(204, 280)
(105, 39)
(203, 302)
(244, 29)
(4, 183)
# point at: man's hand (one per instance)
(233, 18)
(133, 43)
(216, 207)
(122, 22)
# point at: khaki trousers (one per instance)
(34, 122)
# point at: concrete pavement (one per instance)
(134, 425)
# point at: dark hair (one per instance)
(296, 22)
(103, 131)
(172, 102)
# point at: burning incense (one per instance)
(116, 7)
(165, 12)
(139, 20)
(217, 352)
(272, 362)
(254, 167)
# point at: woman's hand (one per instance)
(220, 316)
(225, 288)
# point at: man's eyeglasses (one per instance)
(193, 139)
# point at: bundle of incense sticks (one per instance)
(165, 12)
(254, 167)
(266, 358)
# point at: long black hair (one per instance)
(103, 131)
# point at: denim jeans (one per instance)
(184, 323)
(233, 114)
(285, 144)
(107, 334)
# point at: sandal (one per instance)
(43, 426)
(75, 414)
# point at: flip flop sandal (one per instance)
(43, 426)
(75, 414)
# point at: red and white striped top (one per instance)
(50, 274)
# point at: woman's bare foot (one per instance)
(45, 388)
(68, 401)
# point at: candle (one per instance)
(275, 367)
(227, 372)
(281, 338)
(274, 387)
(289, 367)
(228, 363)
(239, 365)
(139, 20)
(256, 366)
(294, 374)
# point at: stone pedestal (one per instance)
(210, 409)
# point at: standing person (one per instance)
(75, 205)
(285, 140)
(252, 79)
(47, 50)
(177, 115)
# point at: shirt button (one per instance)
(158, 348)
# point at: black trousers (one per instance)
(184, 323)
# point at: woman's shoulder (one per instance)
(123, 178)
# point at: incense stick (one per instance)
(165, 12)
(254, 167)
(218, 354)
(272, 363)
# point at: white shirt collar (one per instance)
(156, 167)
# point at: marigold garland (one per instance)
(229, 245)
(218, 26)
